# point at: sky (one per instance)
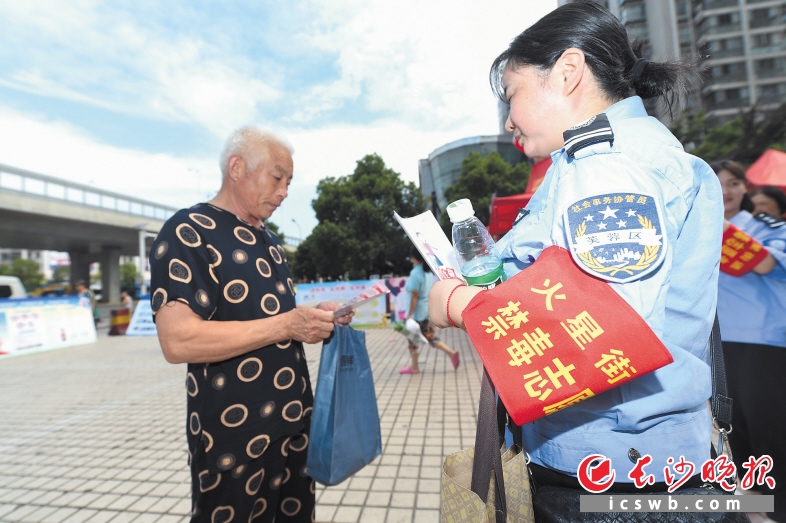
(138, 97)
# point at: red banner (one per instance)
(553, 336)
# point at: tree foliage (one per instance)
(61, 273)
(357, 234)
(128, 273)
(742, 139)
(28, 271)
(482, 177)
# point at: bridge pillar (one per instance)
(110, 275)
(80, 266)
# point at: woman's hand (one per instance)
(438, 301)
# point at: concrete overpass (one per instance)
(42, 212)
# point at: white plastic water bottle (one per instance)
(474, 247)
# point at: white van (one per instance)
(11, 287)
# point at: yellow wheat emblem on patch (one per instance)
(649, 255)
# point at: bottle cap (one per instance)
(460, 210)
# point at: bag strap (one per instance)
(487, 451)
(721, 403)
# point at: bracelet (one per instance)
(448, 305)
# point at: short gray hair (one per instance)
(240, 143)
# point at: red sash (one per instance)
(553, 336)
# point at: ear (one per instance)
(235, 166)
(571, 69)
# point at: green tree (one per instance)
(29, 272)
(482, 177)
(61, 274)
(5, 270)
(128, 273)
(357, 234)
(743, 138)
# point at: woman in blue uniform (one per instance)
(575, 87)
(752, 314)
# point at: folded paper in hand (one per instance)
(377, 289)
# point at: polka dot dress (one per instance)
(248, 416)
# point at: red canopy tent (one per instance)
(505, 208)
(769, 169)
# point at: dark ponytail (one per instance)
(619, 67)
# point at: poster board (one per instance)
(141, 323)
(37, 324)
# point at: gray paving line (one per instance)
(25, 438)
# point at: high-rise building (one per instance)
(742, 44)
(745, 45)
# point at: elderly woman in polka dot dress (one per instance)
(224, 302)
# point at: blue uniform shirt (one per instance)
(663, 414)
(752, 307)
(420, 282)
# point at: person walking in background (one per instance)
(418, 285)
(768, 199)
(752, 315)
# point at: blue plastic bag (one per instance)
(345, 432)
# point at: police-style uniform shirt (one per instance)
(637, 211)
(225, 269)
(752, 307)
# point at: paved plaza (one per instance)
(97, 433)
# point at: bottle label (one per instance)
(488, 280)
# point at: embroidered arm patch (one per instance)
(617, 237)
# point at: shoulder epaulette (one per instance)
(520, 216)
(595, 130)
(773, 222)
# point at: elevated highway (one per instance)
(42, 212)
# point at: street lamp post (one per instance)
(300, 232)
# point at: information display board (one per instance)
(36, 324)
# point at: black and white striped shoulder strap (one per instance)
(595, 130)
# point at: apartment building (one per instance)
(742, 44)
